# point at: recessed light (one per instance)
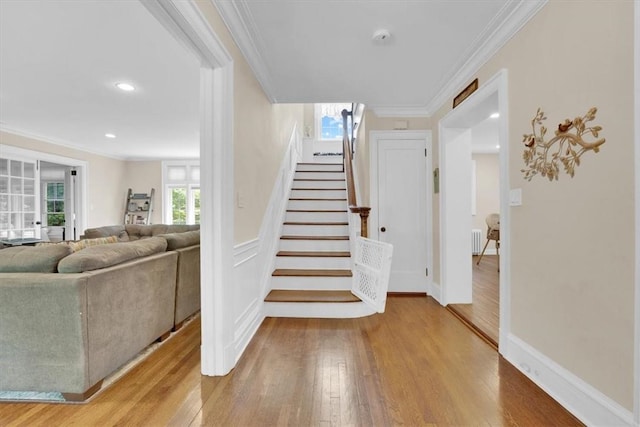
(494, 115)
(109, 135)
(125, 87)
(498, 146)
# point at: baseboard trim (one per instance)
(246, 326)
(435, 292)
(581, 399)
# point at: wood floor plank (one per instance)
(413, 365)
(483, 314)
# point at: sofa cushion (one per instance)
(32, 259)
(110, 230)
(96, 257)
(81, 244)
(182, 240)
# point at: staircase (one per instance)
(312, 276)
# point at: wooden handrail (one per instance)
(347, 151)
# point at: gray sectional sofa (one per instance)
(69, 319)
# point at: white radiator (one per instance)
(476, 241)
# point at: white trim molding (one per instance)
(636, 368)
(513, 16)
(246, 271)
(581, 399)
(185, 21)
(399, 111)
(242, 27)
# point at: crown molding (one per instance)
(54, 141)
(399, 111)
(511, 18)
(238, 18)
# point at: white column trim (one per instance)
(185, 21)
(636, 358)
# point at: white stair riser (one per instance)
(316, 217)
(319, 194)
(318, 310)
(313, 263)
(323, 205)
(313, 245)
(319, 167)
(329, 159)
(315, 230)
(319, 184)
(319, 175)
(311, 283)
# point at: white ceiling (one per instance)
(59, 61)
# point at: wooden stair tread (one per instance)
(291, 272)
(341, 254)
(314, 237)
(319, 171)
(319, 179)
(317, 210)
(281, 295)
(314, 223)
(319, 200)
(319, 189)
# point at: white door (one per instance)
(402, 211)
(19, 199)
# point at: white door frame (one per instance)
(187, 23)
(636, 388)
(375, 137)
(497, 84)
(81, 165)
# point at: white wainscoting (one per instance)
(254, 260)
(581, 399)
(247, 313)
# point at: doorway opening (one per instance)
(466, 200)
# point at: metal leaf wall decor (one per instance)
(544, 157)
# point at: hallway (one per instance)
(414, 365)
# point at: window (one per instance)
(54, 202)
(18, 203)
(329, 121)
(181, 192)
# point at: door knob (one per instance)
(383, 229)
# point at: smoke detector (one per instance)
(381, 36)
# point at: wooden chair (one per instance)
(493, 233)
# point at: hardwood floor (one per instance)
(414, 365)
(484, 314)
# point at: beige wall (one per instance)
(572, 247)
(141, 177)
(105, 182)
(261, 135)
(487, 190)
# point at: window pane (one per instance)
(4, 221)
(29, 170)
(29, 186)
(60, 191)
(59, 206)
(50, 206)
(29, 203)
(331, 120)
(16, 168)
(55, 219)
(177, 173)
(16, 203)
(196, 205)
(179, 205)
(4, 203)
(195, 173)
(51, 190)
(16, 185)
(4, 167)
(4, 185)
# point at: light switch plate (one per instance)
(515, 197)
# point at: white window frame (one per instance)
(188, 183)
(318, 121)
